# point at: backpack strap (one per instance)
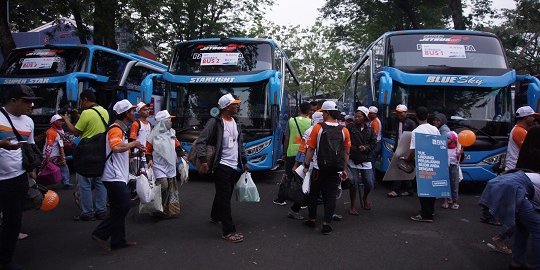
(15, 131)
(140, 126)
(108, 129)
(298, 127)
(102, 119)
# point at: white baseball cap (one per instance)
(123, 106)
(401, 108)
(329, 106)
(317, 117)
(140, 105)
(525, 111)
(55, 117)
(227, 100)
(373, 109)
(162, 115)
(364, 110)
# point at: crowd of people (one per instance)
(333, 148)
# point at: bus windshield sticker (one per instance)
(38, 63)
(42, 52)
(219, 59)
(443, 51)
(214, 112)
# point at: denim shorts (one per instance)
(300, 157)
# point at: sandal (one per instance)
(406, 193)
(392, 194)
(353, 212)
(455, 206)
(445, 205)
(367, 206)
(233, 237)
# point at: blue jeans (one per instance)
(362, 176)
(65, 175)
(527, 223)
(454, 182)
(91, 205)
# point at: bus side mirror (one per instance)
(72, 83)
(385, 87)
(147, 87)
(533, 94)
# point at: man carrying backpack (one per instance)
(92, 122)
(331, 142)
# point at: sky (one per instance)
(304, 12)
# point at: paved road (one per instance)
(383, 238)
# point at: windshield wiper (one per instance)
(492, 140)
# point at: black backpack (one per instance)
(89, 156)
(330, 151)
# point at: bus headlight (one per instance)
(255, 149)
(492, 160)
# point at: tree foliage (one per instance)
(520, 34)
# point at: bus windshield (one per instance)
(211, 58)
(459, 51)
(44, 61)
(195, 104)
(486, 109)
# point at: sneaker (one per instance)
(279, 202)
(337, 217)
(309, 223)
(101, 216)
(419, 218)
(326, 229)
(455, 206)
(294, 215)
(84, 218)
(498, 245)
(303, 207)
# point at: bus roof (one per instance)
(419, 32)
(102, 48)
(437, 31)
(238, 39)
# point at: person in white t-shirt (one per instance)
(115, 178)
(427, 204)
(13, 177)
(228, 162)
(162, 151)
(139, 131)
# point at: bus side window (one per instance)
(110, 65)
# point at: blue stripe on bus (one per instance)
(451, 80)
(240, 78)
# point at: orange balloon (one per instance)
(50, 201)
(466, 138)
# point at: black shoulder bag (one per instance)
(89, 156)
(32, 156)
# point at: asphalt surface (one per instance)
(383, 238)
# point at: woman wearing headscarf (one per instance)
(440, 121)
(162, 150)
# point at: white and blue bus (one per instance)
(58, 73)
(463, 74)
(254, 70)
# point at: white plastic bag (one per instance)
(306, 182)
(183, 169)
(144, 189)
(156, 205)
(245, 188)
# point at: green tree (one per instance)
(520, 34)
